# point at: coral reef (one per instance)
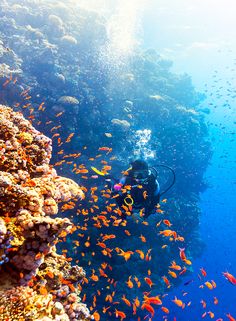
(35, 282)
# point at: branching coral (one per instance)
(42, 285)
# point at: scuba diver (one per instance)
(143, 190)
(138, 188)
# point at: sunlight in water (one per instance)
(123, 26)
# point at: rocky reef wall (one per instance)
(36, 283)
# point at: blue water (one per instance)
(214, 69)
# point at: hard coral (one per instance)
(29, 193)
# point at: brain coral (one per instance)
(68, 101)
(36, 283)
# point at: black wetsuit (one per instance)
(144, 195)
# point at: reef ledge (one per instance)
(36, 283)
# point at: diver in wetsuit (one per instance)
(143, 189)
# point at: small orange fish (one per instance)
(143, 239)
(203, 272)
(174, 266)
(216, 300)
(209, 285)
(211, 314)
(141, 254)
(149, 281)
(230, 277)
(127, 302)
(173, 274)
(165, 310)
(203, 303)
(167, 222)
(178, 302)
(148, 307)
(230, 317)
(153, 300)
(130, 283)
(96, 316)
(94, 277)
(182, 254)
(120, 314)
(167, 282)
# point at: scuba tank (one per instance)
(154, 172)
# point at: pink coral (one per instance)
(30, 191)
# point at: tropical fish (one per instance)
(230, 317)
(203, 272)
(127, 302)
(130, 283)
(148, 307)
(178, 302)
(230, 277)
(149, 281)
(152, 300)
(120, 314)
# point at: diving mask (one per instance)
(141, 176)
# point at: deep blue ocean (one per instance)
(151, 80)
(175, 28)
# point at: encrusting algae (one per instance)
(36, 283)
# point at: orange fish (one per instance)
(94, 277)
(167, 222)
(211, 314)
(203, 272)
(141, 254)
(137, 281)
(127, 233)
(148, 307)
(182, 254)
(149, 281)
(203, 303)
(165, 310)
(59, 114)
(104, 309)
(173, 274)
(96, 316)
(216, 300)
(153, 300)
(130, 283)
(143, 239)
(230, 317)
(209, 285)
(174, 266)
(136, 302)
(178, 302)
(230, 277)
(127, 302)
(167, 282)
(104, 148)
(126, 255)
(120, 314)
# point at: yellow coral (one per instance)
(25, 138)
